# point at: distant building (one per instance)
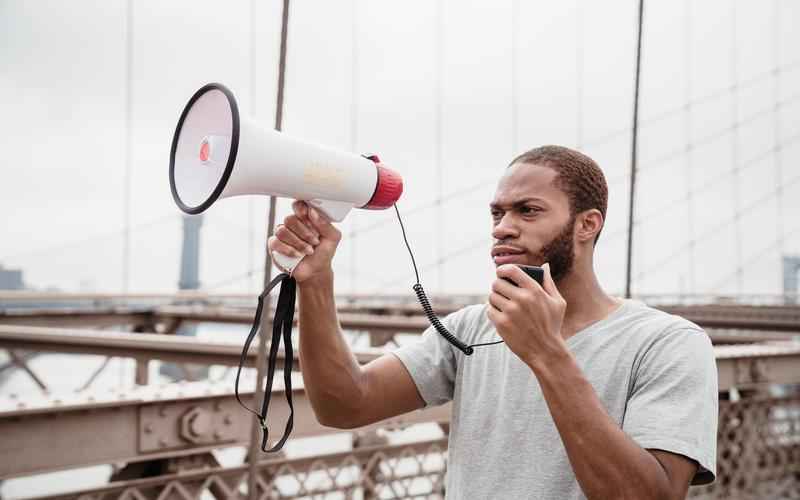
(791, 270)
(11, 279)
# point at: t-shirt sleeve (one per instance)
(673, 405)
(431, 362)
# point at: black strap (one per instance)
(282, 323)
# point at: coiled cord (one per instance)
(426, 305)
(434, 320)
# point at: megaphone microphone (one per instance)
(217, 153)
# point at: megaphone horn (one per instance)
(216, 153)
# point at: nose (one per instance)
(505, 228)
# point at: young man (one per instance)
(590, 396)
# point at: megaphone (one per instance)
(216, 153)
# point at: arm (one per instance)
(343, 394)
(607, 463)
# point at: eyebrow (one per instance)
(518, 203)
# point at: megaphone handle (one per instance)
(285, 262)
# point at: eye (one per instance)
(497, 214)
(526, 210)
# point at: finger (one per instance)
(548, 284)
(300, 208)
(291, 240)
(498, 301)
(322, 224)
(504, 288)
(517, 275)
(276, 245)
(302, 229)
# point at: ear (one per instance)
(588, 224)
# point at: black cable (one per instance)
(426, 305)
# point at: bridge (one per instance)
(691, 109)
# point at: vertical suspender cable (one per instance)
(514, 77)
(254, 451)
(253, 112)
(579, 74)
(634, 143)
(737, 197)
(439, 33)
(126, 186)
(687, 59)
(354, 139)
(776, 54)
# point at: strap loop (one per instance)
(281, 324)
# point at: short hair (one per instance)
(578, 176)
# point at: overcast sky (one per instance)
(446, 92)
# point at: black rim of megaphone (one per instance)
(231, 156)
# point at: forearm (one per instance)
(333, 378)
(607, 463)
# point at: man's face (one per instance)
(531, 220)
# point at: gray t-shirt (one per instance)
(655, 374)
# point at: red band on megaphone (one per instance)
(387, 191)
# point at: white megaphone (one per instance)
(218, 154)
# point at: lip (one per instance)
(504, 254)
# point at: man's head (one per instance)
(549, 206)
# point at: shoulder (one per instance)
(656, 320)
(661, 335)
(668, 338)
(654, 326)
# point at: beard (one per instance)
(559, 252)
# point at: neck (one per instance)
(587, 302)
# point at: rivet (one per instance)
(162, 411)
(148, 428)
(228, 420)
(162, 442)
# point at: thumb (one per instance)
(321, 224)
(548, 284)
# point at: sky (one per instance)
(445, 92)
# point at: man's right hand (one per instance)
(309, 234)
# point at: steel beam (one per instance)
(147, 423)
(751, 365)
(141, 346)
(77, 317)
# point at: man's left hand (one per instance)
(528, 316)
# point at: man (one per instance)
(590, 396)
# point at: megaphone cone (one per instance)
(216, 153)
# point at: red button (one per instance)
(205, 150)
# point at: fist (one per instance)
(309, 234)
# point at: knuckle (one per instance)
(298, 207)
(282, 233)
